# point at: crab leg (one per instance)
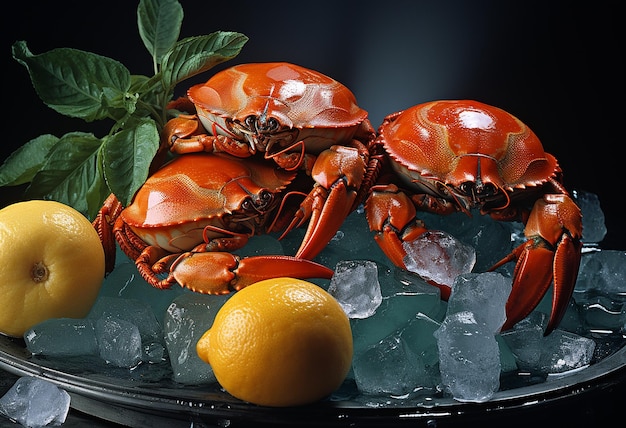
(103, 223)
(221, 272)
(551, 255)
(338, 173)
(392, 215)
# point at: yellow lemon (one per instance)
(52, 264)
(279, 342)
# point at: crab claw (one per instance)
(186, 134)
(338, 173)
(222, 273)
(551, 255)
(392, 216)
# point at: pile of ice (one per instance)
(125, 333)
(408, 343)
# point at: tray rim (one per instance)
(95, 395)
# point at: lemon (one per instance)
(52, 264)
(279, 342)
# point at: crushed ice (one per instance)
(408, 343)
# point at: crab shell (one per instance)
(458, 142)
(173, 207)
(324, 110)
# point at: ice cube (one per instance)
(419, 337)
(62, 337)
(134, 311)
(356, 287)
(438, 256)
(119, 341)
(35, 403)
(602, 272)
(389, 367)
(490, 238)
(594, 227)
(601, 312)
(188, 317)
(469, 359)
(563, 351)
(525, 342)
(484, 294)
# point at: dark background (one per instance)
(555, 65)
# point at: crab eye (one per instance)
(250, 122)
(272, 124)
(266, 197)
(442, 189)
(490, 189)
(467, 188)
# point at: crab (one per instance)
(246, 144)
(457, 155)
(296, 117)
(189, 216)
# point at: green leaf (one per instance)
(140, 83)
(98, 192)
(70, 171)
(22, 165)
(127, 156)
(195, 55)
(159, 23)
(151, 98)
(76, 83)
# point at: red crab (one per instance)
(450, 156)
(190, 215)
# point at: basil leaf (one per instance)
(69, 172)
(98, 192)
(127, 156)
(159, 23)
(22, 165)
(76, 83)
(195, 55)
